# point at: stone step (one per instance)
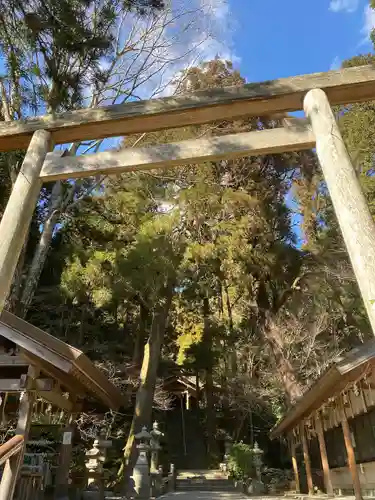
(203, 484)
(207, 474)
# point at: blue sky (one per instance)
(278, 38)
(270, 39)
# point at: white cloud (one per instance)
(343, 5)
(220, 25)
(368, 24)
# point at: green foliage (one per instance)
(189, 328)
(240, 462)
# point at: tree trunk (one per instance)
(139, 343)
(232, 354)
(209, 387)
(284, 367)
(41, 252)
(145, 395)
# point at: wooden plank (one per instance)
(254, 99)
(294, 136)
(351, 208)
(56, 399)
(19, 210)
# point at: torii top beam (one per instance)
(277, 96)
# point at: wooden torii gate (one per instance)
(314, 93)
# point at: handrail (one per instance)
(11, 447)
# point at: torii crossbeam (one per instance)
(314, 93)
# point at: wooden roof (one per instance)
(178, 383)
(333, 381)
(66, 364)
(265, 98)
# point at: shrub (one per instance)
(240, 462)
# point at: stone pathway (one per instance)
(205, 495)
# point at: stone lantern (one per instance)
(141, 472)
(95, 459)
(257, 487)
(258, 460)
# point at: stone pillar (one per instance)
(155, 446)
(228, 444)
(156, 471)
(172, 478)
(141, 472)
(95, 470)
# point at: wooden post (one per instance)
(323, 455)
(19, 210)
(294, 462)
(66, 448)
(306, 459)
(356, 223)
(350, 451)
(13, 465)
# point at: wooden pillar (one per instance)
(350, 451)
(66, 449)
(19, 210)
(294, 462)
(352, 212)
(187, 400)
(306, 459)
(323, 455)
(13, 465)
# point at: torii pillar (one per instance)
(353, 214)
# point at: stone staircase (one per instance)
(203, 480)
(190, 453)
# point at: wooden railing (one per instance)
(10, 448)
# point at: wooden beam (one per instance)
(350, 451)
(323, 455)
(6, 360)
(37, 349)
(19, 210)
(353, 214)
(294, 136)
(64, 379)
(254, 99)
(17, 385)
(11, 447)
(294, 462)
(306, 459)
(56, 399)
